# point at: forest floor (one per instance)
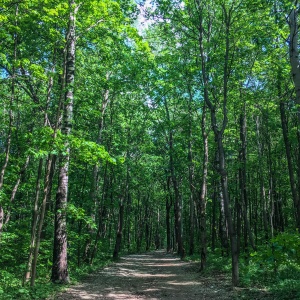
(156, 275)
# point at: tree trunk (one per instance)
(191, 176)
(47, 191)
(220, 132)
(120, 230)
(60, 263)
(10, 124)
(203, 239)
(243, 184)
(287, 145)
(16, 187)
(177, 196)
(263, 200)
(94, 190)
(35, 216)
(294, 60)
(213, 217)
(169, 203)
(223, 228)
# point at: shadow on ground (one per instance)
(152, 276)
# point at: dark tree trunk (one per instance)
(169, 203)
(243, 183)
(223, 230)
(263, 200)
(120, 230)
(35, 217)
(10, 125)
(191, 177)
(287, 145)
(219, 129)
(177, 195)
(214, 217)
(47, 191)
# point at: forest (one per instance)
(129, 126)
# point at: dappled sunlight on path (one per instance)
(152, 276)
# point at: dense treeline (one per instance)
(183, 134)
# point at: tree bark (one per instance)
(295, 64)
(219, 132)
(60, 263)
(263, 200)
(169, 203)
(177, 196)
(203, 238)
(120, 229)
(191, 174)
(287, 145)
(10, 124)
(34, 220)
(243, 183)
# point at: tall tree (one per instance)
(60, 262)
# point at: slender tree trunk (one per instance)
(10, 125)
(120, 229)
(191, 176)
(223, 227)
(121, 212)
(169, 203)
(289, 158)
(232, 234)
(221, 153)
(60, 263)
(243, 183)
(47, 191)
(219, 132)
(177, 196)
(263, 199)
(192, 202)
(94, 191)
(100, 230)
(271, 188)
(203, 238)
(295, 62)
(35, 216)
(214, 218)
(16, 187)
(147, 224)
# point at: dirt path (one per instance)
(151, 276)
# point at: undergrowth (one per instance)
(11, 285)
(272, 271)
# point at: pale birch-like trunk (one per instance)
(60, 262)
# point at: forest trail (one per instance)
(153, 276)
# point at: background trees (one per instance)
(183, 136)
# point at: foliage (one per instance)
(276, 266)
(282, 250)
(138, 133)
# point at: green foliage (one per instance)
(79, 214)
(282, 250)
(88, 151)
(276, 266)
(43, 142)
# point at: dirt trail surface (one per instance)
(152, 276)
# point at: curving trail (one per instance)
(151, 276)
